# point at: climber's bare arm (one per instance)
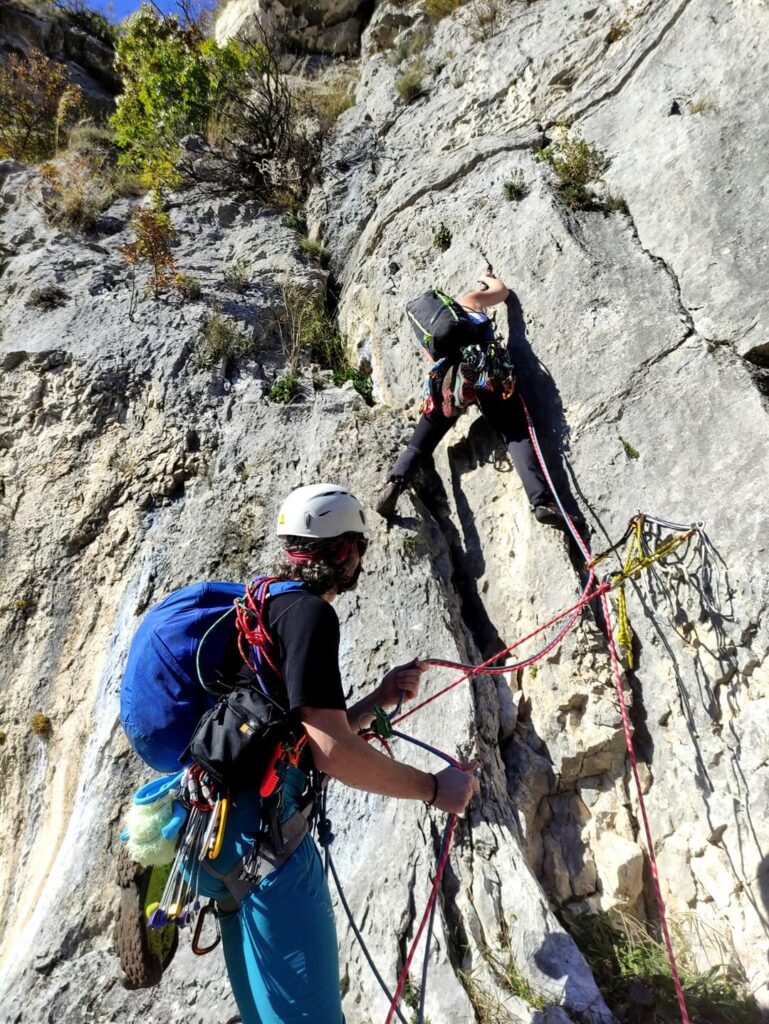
(496, 292)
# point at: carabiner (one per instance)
(197, 949)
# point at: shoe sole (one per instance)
(140, 967)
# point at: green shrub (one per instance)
(410, 84)
(285, 390)
(40, 725)
(515, 187)
(361, 381)
(38, 106)
(295, 220)
(236, 277)
(442, 238)
(188, 287)
(262, 146)
(576, 163)
(173, 80)
(315, 250)
(219, 342)
(622, 954)
(308, 333)
(48, 297)
(438, 9)
(617, 203)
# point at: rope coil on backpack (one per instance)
(252, 629)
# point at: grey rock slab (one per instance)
(697, 211)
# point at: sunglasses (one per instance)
(362, 545)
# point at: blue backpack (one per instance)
(170, 679)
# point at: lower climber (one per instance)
(499, 404)
(278, 935)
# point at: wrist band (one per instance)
(429, 803)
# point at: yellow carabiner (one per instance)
(216, 848)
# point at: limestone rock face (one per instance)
(89, 60)
(128, 469)
(325, 26)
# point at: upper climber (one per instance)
(470, 374)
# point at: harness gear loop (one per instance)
(197, 949)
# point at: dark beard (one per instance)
(344, 585)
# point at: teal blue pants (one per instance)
(280, 947)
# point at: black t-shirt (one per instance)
(305, 631)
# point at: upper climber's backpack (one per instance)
(443, 327)
(172, 675)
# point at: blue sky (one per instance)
(116, 10)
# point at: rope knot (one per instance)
(325, 835)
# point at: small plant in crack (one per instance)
(219, 341)
(237, 278)
(40, 725)
(315, 250)
(575, 163)
(295, 220)
(631, 452)
(48, 297)
(285, 390)
(515, 187)
(410, 83)
(702, 105)
(617, 31)
(411, 545)
(624, 956)
(617, 203)
(442, 238)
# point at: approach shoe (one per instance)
(144, 953)
(387, 499)
(551, 515)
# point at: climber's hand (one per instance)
(457, 787)
(403, 679)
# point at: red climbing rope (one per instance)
(403, 978)
(642, 808)
(626, 728)
(587, 597)
(252, 628)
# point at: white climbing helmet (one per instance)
(322, 511)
